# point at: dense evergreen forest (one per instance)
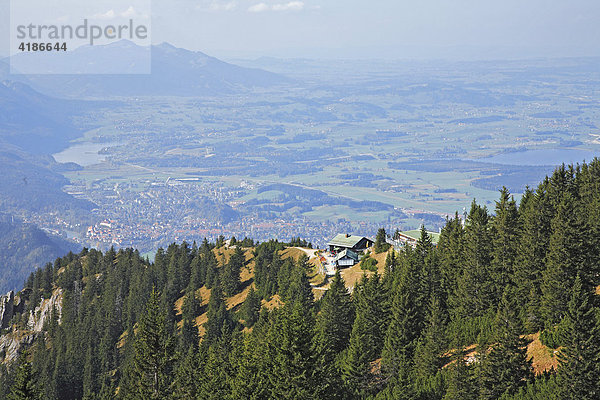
(446, 322)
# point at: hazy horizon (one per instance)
(433, 29)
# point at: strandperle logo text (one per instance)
(84, 31)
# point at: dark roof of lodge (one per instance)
(349, 241)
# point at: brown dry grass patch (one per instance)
(275, 302)
(543, 358)
(291, 252)
(200, 321)
(353, 274)
(238, 299)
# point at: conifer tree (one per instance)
(564, 261)
(250, 310)
(390, 264)
(403, 330)
(153, 353)
(401, 386)
(90, 372)
(197, 274)
(23, 387)
(428, 354)
(535, 216)
(381, 244)
(505, 232)
(427, 278)
(219, 323)
(231, 272)
(506, 368)
(209, 266)
(285, 275)
(334, 325)
(462, 384)
(367, 336)
(475, 286)
(189, 332)
(185, 385)
(293, 363)
(451, 253)
(252, 380)
(336, 316)
(214, 380)
(589, 212)
(579, 371)
(300, 289)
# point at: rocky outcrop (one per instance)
(12, 342)
(7, 304)
(11, 305)
(42, 313)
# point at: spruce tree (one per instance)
(579, 371)
(219, 323)
(429, 352)
(450, 249)
(253, 368)
(185, 385)
(231, 272)
(505, 368)
(565, 259)
(293, 363)
(300, 288)
(475, 286)
(214, 381)
(23, 387)
(153, 353)
(189, 331)
(462, 383)
(90, 372)
(535, 216)
(381, 244)
(250, 309)
(367, 336)
(403, 330)
(505, 232)
(334, 325)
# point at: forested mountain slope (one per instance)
(445, 322)
(24, 247)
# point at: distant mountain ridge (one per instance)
(32, 121)
(175, 72)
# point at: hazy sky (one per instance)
(376, 28)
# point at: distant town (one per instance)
(166, 212)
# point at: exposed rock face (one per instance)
(12, 342)
(19, 303)
(43, 312)
(7, 304)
